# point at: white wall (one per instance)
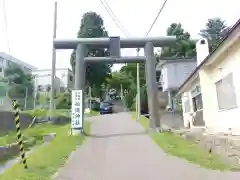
(221, 120)
(45, 80)
(163, 78)
(175, 73)
(62, 74)
(187, 116)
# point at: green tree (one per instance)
(18, 82)
(184, 47)
(215, 29)
(92, 26)
(130, 70)
(117, 80)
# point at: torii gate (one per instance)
(115, 44)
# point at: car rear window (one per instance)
(104, 104)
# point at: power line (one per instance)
(6, 25)
(160, 11)
(114, 18)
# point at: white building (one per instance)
(63, 80)
(43, 83)
(211, 94)
(173, 73)
(7, 61)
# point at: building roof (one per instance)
(39, 70)
(173, 60)
(17, 61)
(208, 58)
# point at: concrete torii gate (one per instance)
(115, 44)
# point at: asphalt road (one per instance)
(118, 148)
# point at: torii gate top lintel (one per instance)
(133, 42)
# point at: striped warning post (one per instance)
(19, 134)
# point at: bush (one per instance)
(37, 112)
(63, 101)
(130, 98)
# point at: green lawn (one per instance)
(44, 112)
(94, 113)
(177, 146)
(45, 161)
(36, 132)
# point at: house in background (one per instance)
(211, 94)
(173, 73)
(63, 82)
(7, 61)
(43, 83)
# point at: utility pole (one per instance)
(90, 97)
(53, 62)
(26, 97)
(121, 92)
(138, 99)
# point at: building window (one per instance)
(1, 60)
(197, 103)
(226, 95)
(1, 70)
(71, 78)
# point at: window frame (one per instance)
(226, 92)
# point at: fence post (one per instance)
(19, 134)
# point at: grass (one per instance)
(44, 112)
(94, 113)
(45, 161)
(177, 146)
(36, 132)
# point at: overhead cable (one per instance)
(114, 18)
(156, 18)
(6, 25)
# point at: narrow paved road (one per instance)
(119, 149)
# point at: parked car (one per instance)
(106, 107)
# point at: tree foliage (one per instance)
(215, 30)
(117, 80)
(184, 47)
(63, 101)
(92, 26)
(19, 82)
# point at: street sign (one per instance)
(77, 109)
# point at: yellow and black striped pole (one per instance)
(19, 134)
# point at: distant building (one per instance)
(43, 83)
(173, 73)
(63, 80)
(7, 61)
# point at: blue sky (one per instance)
(30, 22)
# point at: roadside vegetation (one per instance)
(177, 146)
(46, 160)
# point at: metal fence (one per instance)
(20, 93)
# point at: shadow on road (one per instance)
(114, 135)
